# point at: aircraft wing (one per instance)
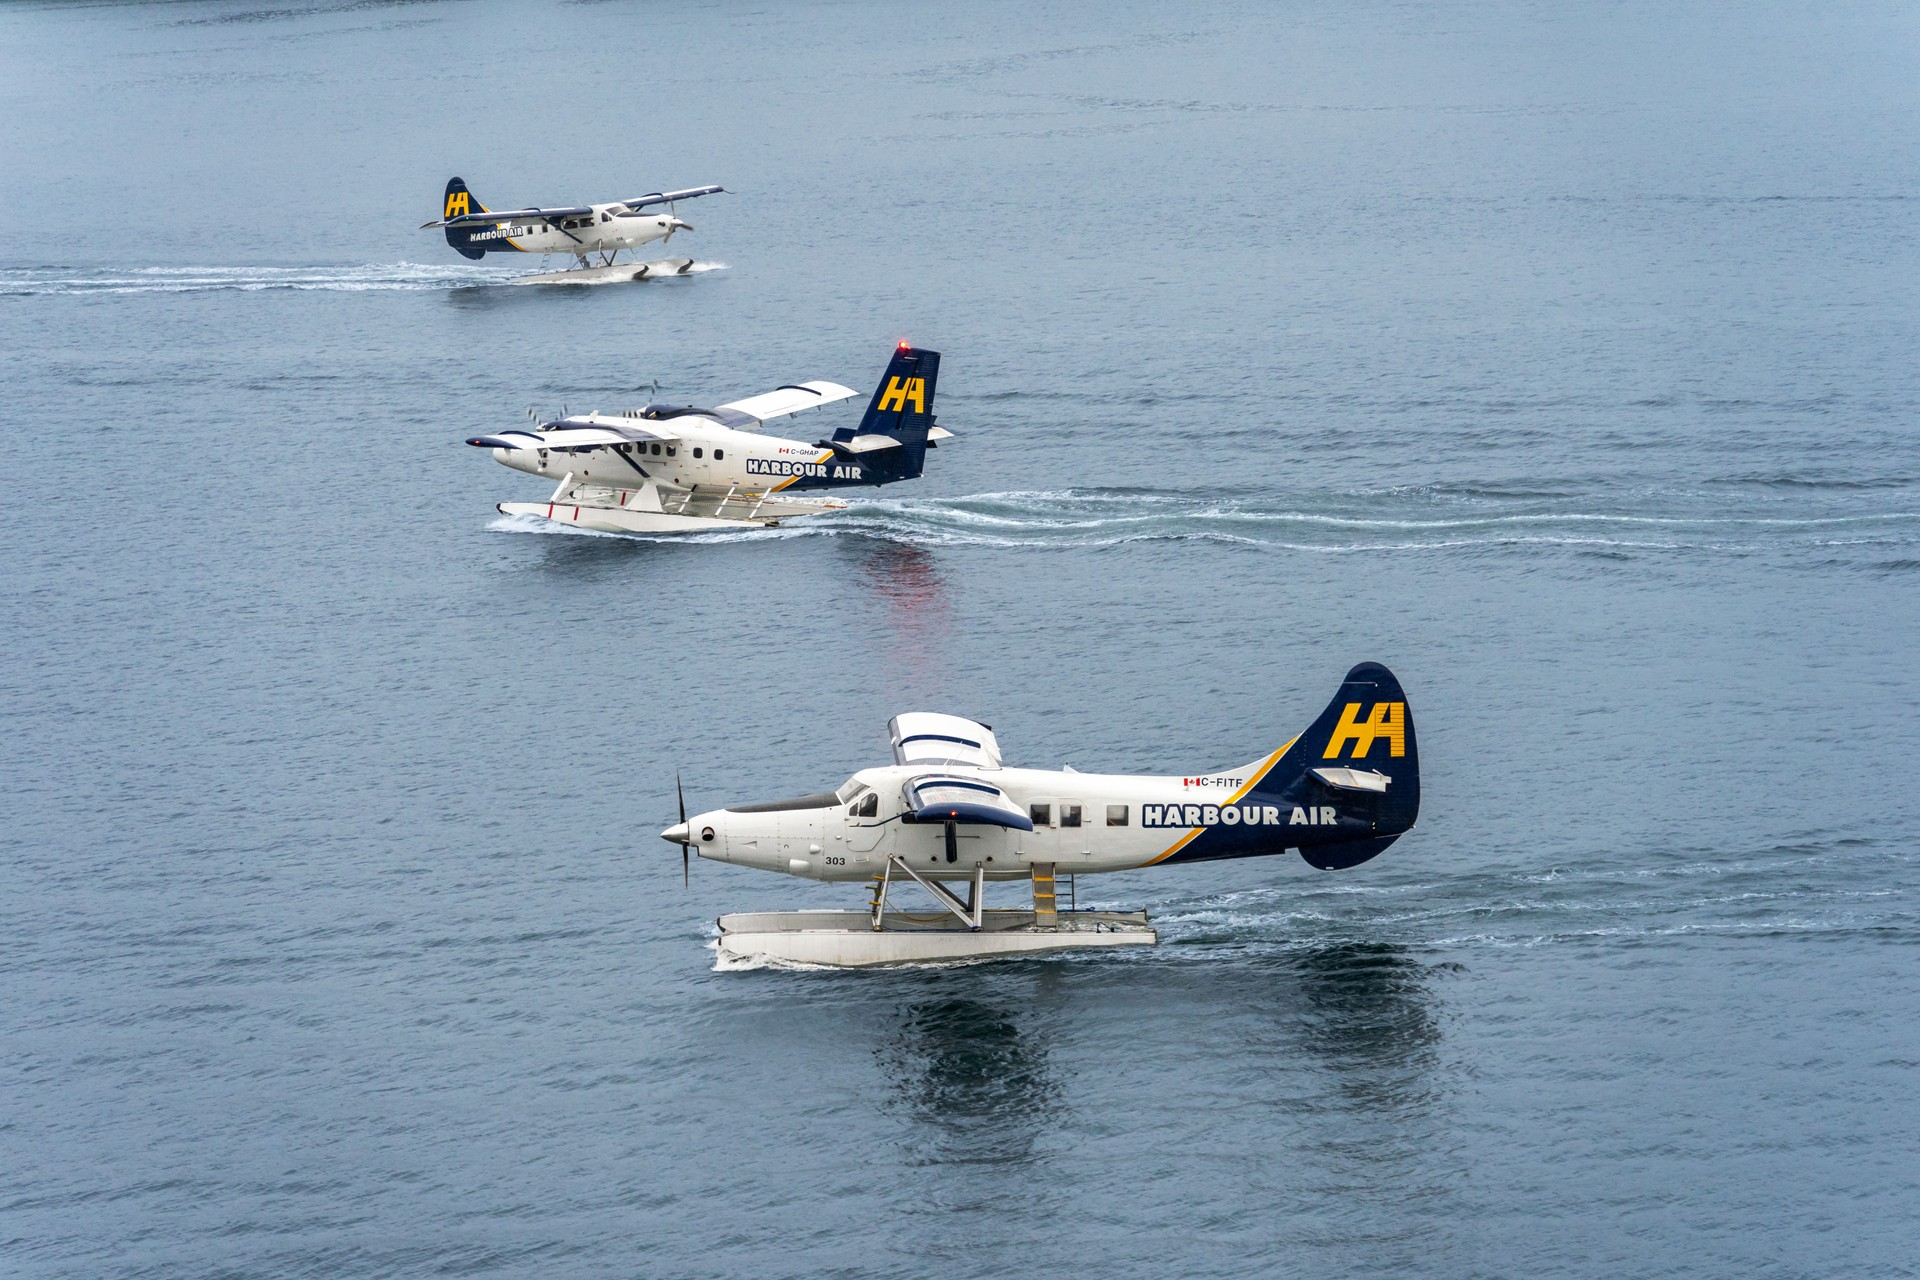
(510, 215)
(668, 197)
(791, 398)
(592, 437)
(940, 798)
(927, 737)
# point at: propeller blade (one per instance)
(686, 858)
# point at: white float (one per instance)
(850, 939)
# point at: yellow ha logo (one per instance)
(457, 204)
(1387, 720)
(901, 390)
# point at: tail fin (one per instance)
(1359, 765)
(459, 200)
(1340, 793)
(902, 410)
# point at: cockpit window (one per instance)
(870, 806)
(849, 789)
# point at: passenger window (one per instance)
(1116, 815)
(696, 451)
(718, 454)
(1069, 815)
(870, 806)
(669, 451)
(656, 451)
(1042, 814)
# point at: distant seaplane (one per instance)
(683, 469)
(947, 809)
(587, 230)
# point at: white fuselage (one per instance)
(601, 231)
(1083, 823)
(704, 453)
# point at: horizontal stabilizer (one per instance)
(791, 398)
(1353, 779)
(860, 444)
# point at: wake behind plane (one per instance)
(587, 231)
(949, 810)
(684, 469)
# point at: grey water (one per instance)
(1561, 357)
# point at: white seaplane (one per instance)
(682, 469)
(948, 810)
(582, 230)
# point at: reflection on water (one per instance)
(1377, 1092)
(976, 1078)
(1369, 1015)
(908, 579)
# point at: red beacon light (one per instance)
(905, 345)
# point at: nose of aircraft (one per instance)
(676, 834)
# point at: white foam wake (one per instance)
(365, 277)
(1097, 518)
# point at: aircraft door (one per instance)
(867, 827)
(1059, 830)
(1071, 815)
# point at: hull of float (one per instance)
(617, 520)
(848, 940)
(619, 273)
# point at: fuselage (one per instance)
(704, 453)
(1083, 823)
(601, 230)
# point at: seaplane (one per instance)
(949, 812)
(586, 231)
(684, 469)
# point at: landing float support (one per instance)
(647, 510)
(963, 930)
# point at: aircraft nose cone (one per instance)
(676, 834)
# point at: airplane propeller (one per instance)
(686, 843)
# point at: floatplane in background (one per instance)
(684, 469)
(948, 810)
(585, 231)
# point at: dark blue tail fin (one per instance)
(459, 200)
(902, 409)
(1361, 763)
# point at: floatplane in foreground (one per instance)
(682, 469)
(585, 231)
(947, 812)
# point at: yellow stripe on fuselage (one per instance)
(1187, 839)
(790, 479)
